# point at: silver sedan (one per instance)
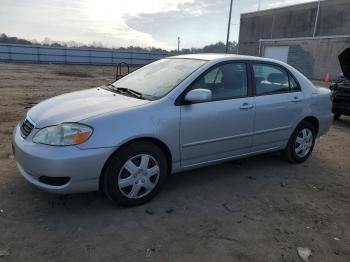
(172, 115)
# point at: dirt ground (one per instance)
(257, 209)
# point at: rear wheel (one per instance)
(301, 143)
(336, 116)
(135, 174)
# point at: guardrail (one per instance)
(61, 55)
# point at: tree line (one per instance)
(218, 47)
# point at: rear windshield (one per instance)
(160, 77)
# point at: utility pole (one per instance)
(228, 27)
(259, 5)
(178, 45)
(316, 20)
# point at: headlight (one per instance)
(63, 135)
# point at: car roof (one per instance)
(224, 57)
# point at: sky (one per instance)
(116, 23)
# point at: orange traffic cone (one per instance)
(328, 78)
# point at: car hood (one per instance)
(76, 106)
(344, 60)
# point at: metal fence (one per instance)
(61, 55)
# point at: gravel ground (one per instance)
(256, 209)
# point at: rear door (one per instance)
(279, 103)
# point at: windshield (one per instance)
(160, 77)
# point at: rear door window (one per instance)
(293, 84)
(270, 79)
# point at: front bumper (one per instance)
(341, 101)
(82, 166)
(341, 109)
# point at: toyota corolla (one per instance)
(172, 115)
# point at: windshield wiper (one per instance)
(126, 91)
(129, 91)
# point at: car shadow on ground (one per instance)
(343, 121)
(219, 181)
(178, 188)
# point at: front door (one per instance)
(221, 128)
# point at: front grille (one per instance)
(26, 128)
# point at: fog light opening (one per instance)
(54, 181)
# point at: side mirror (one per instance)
(198, 95)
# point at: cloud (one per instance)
(84, 21)
(128, 22)
(275, 4)
(198, 22)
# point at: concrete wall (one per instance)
(313, 57)
(61, 55)
(293, 21)
(298, 21)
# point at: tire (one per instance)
(135, 173)
(336, 116)
(299, 151)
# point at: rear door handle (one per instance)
(296, 99)
(246, 106)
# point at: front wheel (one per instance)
(301, 143)
(135, 173)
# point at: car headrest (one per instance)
(229, 75)
(259, 79)
(277, 78)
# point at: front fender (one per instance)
(158, 119)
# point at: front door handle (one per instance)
(246, 106)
